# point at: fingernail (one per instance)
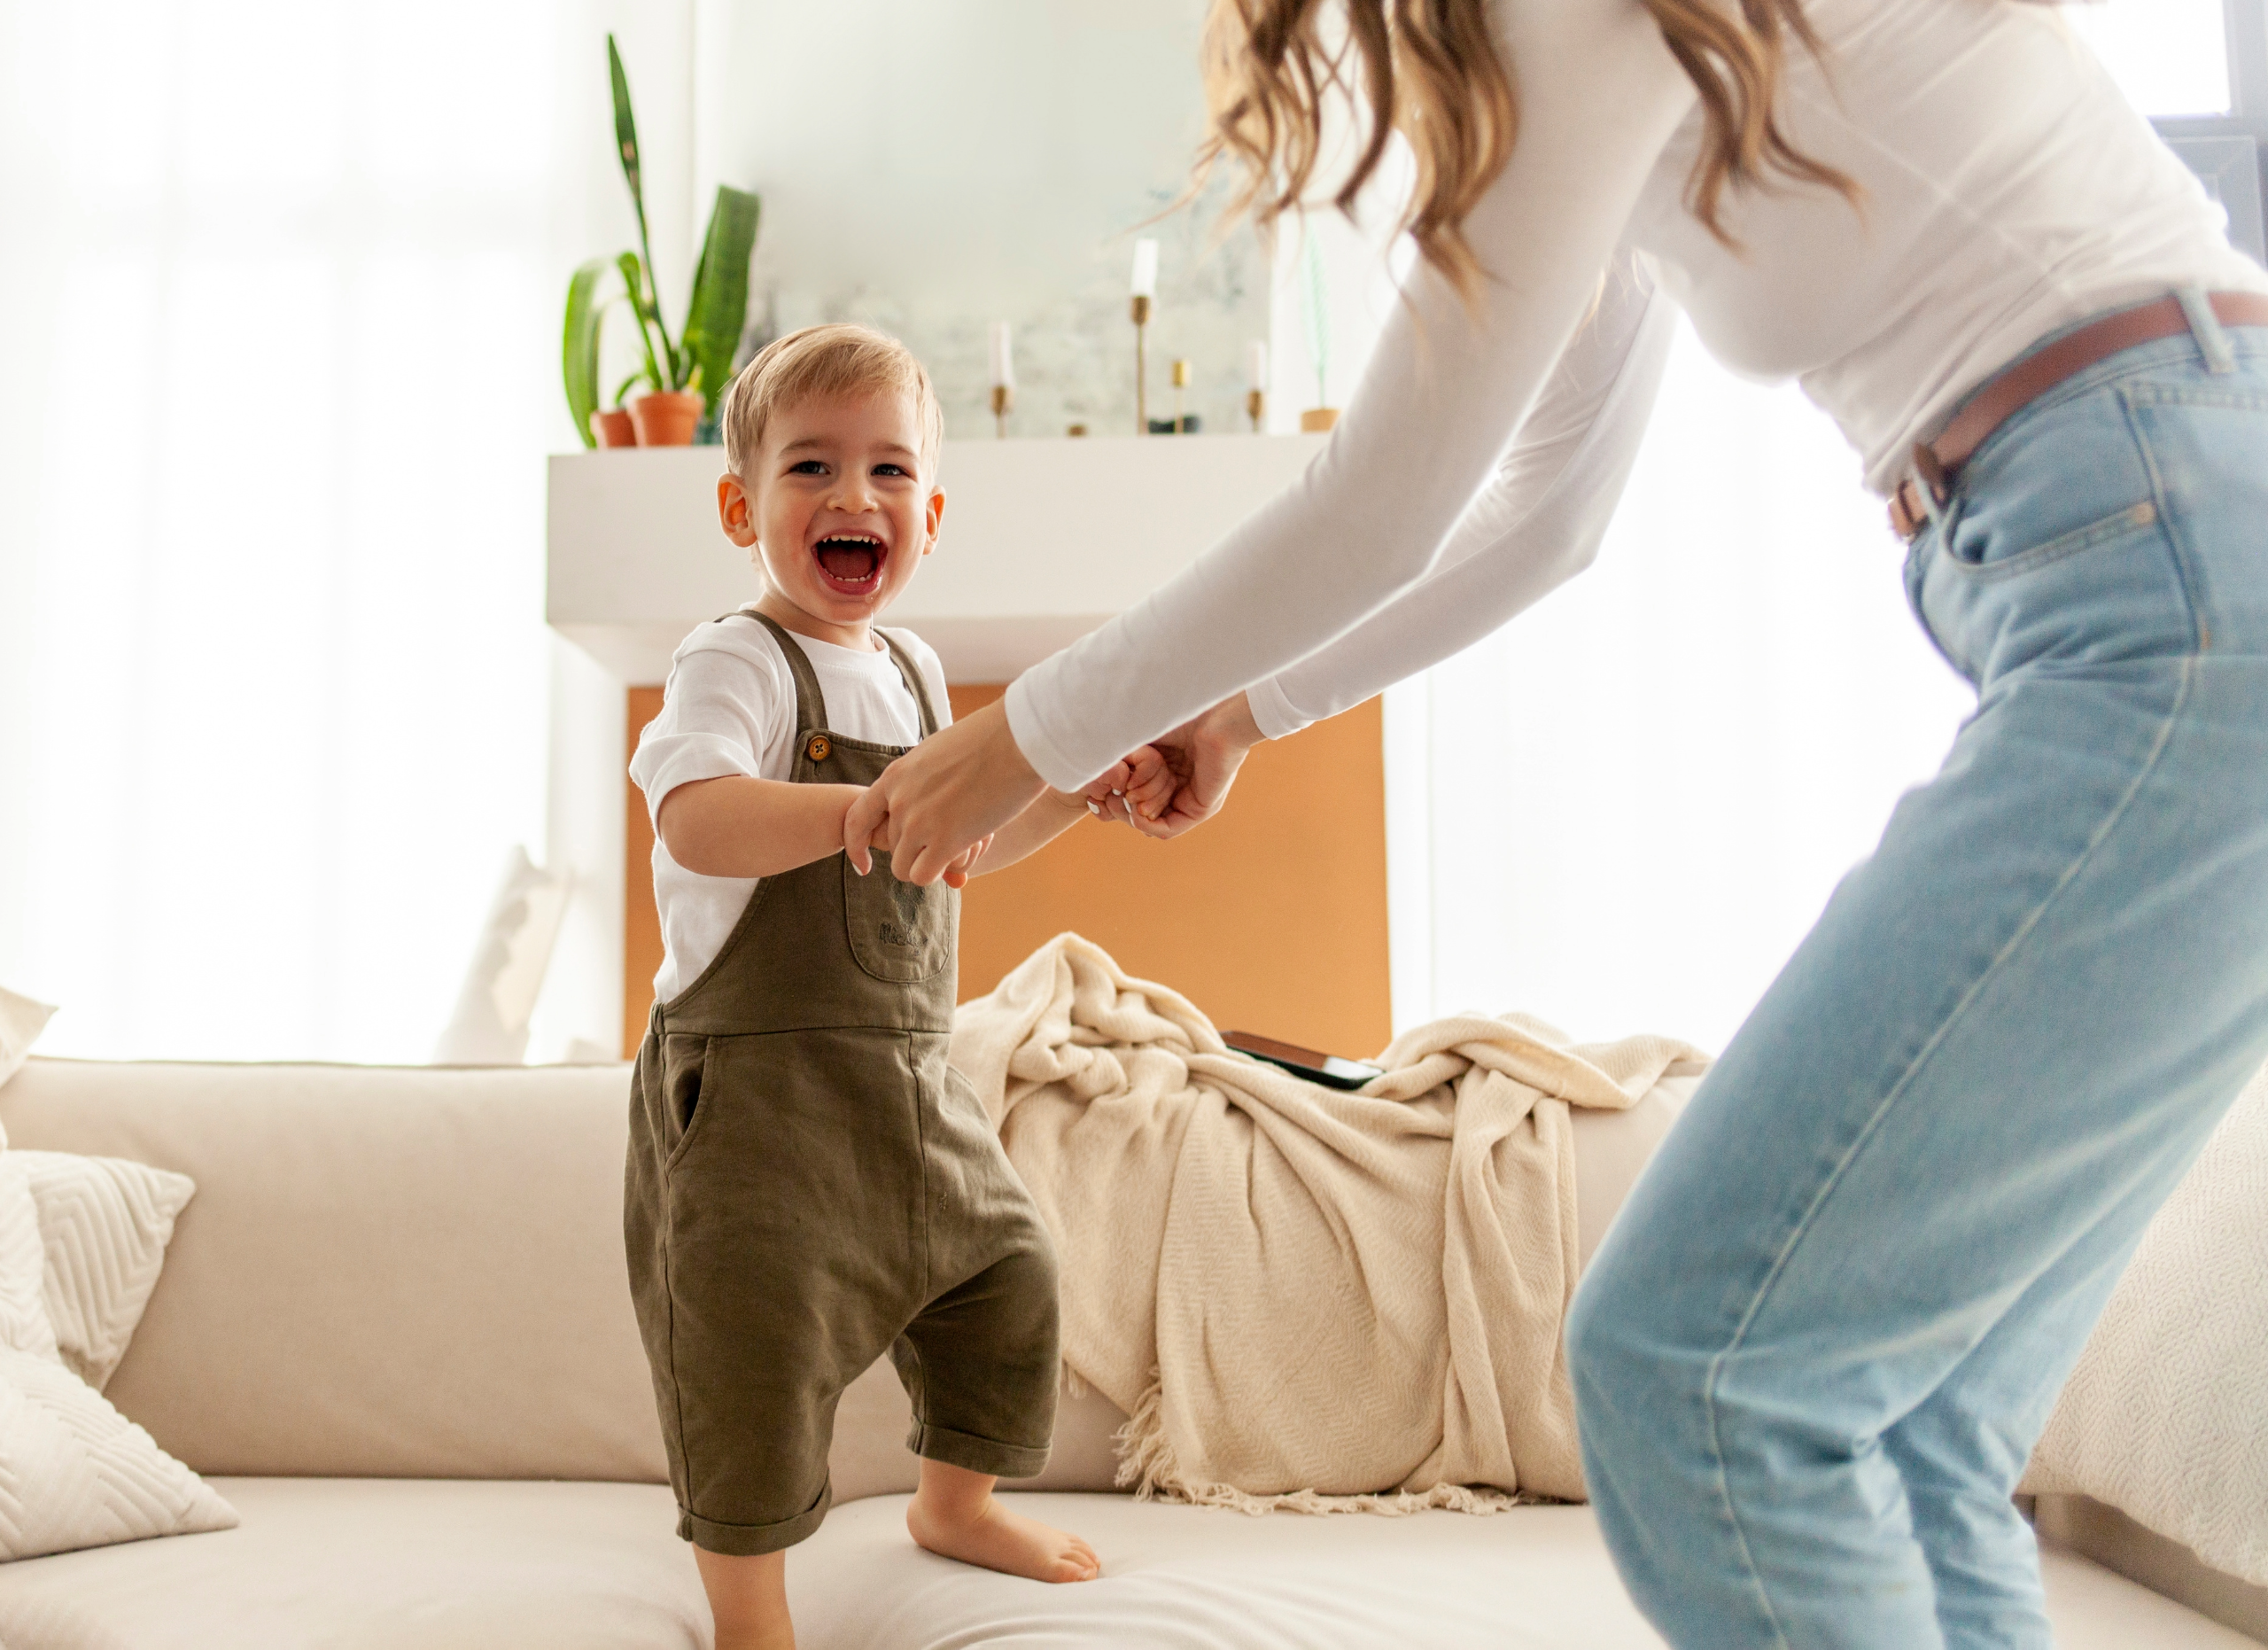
(1094, 807)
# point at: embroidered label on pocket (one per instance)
(898, 932)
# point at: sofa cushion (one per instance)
(412, 1565)
(1202, 1579)
(406, 1273)
(380, 1564)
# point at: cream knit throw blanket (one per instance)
(1303, 1298)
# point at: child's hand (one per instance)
(1150, 781)
(1135, 789)
(957, 874)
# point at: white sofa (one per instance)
(394, 1329)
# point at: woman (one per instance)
(1815, 1352)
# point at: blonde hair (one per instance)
(1432, 70)
(834, 360)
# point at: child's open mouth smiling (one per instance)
(851, 563)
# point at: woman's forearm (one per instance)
(1540, 523)
(737, 826)
(1444, 394)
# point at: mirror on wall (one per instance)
(932, 170)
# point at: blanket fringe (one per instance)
(1146, 1465)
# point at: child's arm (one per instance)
(735, 826)
(1141, 782)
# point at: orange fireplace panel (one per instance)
(1271, 917)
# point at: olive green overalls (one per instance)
(811, 1185)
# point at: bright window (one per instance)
(2169, 55)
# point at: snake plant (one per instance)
(701, 356)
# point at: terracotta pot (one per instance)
(666, 420)
(1318, 419)
(613, 428)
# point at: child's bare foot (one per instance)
(955, 1513)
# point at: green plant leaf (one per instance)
(633, 277)
(718, 312)
(578, 350)
(625, 143)
(623, 388)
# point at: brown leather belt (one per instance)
(1936, 463)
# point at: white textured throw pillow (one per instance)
(21, 1021)
(2162, 1416)
(24, 1322)
(104, 1224)
(74, 1472)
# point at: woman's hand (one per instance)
(1202, 756)
(934, 803)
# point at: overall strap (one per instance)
(810, 704)
(905, 668)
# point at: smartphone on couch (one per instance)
(1311, 1063)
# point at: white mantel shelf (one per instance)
(1043, 541)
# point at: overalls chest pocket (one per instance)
(898, 932)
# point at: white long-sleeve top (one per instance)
(2008, 189)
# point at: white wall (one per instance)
(931, 169)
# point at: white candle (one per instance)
(1004, 367)
(1255, 364)
(1145, 268)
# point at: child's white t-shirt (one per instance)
(730, 708)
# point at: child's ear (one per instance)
(735, 512)
(935, 510)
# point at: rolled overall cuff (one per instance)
(965, 1449)
(749, 1540)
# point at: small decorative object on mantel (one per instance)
(1146, 289)
(1181, 423)
(1074, 429)
(683, 377)
(1256, 398)
(1004, 377)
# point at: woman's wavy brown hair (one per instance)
(1432, 70)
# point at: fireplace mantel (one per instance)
(1043, 541)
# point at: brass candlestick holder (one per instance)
(1140, 308)
(1255, 406)
(1180, 384)
(1004, 397)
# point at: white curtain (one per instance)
(279, 313)
(1624, 810)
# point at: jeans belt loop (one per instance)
(2212, 337)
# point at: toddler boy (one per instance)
(809, 1185)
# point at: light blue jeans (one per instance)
(1816, 1348)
